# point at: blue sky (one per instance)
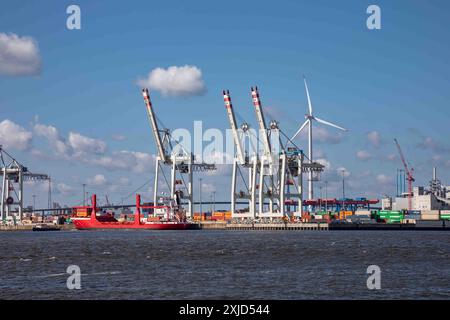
(394, 81)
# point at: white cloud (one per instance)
(118, 137)
(391, 157)
(430, 143)
(124, 181)
(65, 189)
(126, 160)
(175, 81)
(52, 135)
(343, 171)
(384, 179)
(322, 135)
(208, 188)
(97, 180)
(81, 144)
(19, 56)
(13, 136)
(374, 138)
(325, 163)
(363, 155)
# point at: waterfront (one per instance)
(225, 264)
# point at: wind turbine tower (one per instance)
(310, 117)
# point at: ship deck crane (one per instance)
(409, 174)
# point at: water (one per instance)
(225, 264)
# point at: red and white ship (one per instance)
(163, 217)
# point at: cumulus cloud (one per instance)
(126, 160)
(19, 56)
(374, 138)
(13, 136)
(175, 81)
(97, 180)
(77, 145)
(83, 144)
(432, 144)
(52, 135)
(363, 155)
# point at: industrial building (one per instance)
(435, 197)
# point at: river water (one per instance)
(225, 264)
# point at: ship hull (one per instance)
(97, 225)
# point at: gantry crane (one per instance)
(280, 164)
(409, 174)
(241, 162)
(13, 175)
(181, 162)
(268, 162)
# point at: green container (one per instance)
(445, 216)
(393, 221)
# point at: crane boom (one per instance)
(233, 124)
(409, 174)
(154, 125)
(261, 120)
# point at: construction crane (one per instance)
(409, 174)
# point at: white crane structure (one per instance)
(13, 174)
(242, 164)
(181, 162)
(268, 164)
(310, 117)
(271, 171)
(278, 167)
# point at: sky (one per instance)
(71, 106)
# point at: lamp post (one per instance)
(200, 186)
(320, 200)
(326, 196)
(343, 188)
(84, 194)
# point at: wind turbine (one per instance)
(308, 122)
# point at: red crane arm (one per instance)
(403, 158)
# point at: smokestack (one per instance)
(434, 174)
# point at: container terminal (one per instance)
(266, 189)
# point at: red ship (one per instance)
(173, 220)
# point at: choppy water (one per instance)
(224, 264)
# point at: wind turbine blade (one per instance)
(309, 99)
(330, 124)
(299, 130)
